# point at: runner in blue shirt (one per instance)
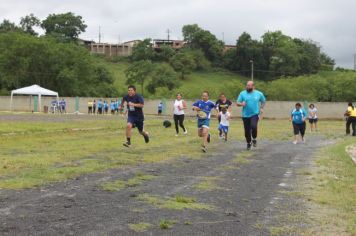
(298, 116)
(135, 117)
(252, 102)
(203, 108)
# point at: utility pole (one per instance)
(168, 34)
(223, 37)
(355, 61)
(99, 34)
(251, 61)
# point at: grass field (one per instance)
(333, 189)
(35, 151)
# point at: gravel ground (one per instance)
(246, 202)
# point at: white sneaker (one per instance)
(295, 142)
(186, 131)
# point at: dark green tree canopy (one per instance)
(28, 22)
(66, 25)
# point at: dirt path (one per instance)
(245, 201)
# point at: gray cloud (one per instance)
(329, 22)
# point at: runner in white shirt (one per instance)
(178, 109)
(224, 122)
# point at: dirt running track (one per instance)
(246, 196)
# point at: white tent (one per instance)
(33, 90)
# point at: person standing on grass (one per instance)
(203, 108)
(298, 116)
(135, 117)
(313, 117)
(252, 102)
(178, 113)
(94, 107)
(100, 107)
(90, 107)
(224, 122)
(350, 119)
(160, 108)
(223, 102)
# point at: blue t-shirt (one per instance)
(100, 104)
(298, 116)
(253, 101)
(205, 107)
(112, 105)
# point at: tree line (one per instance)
(273, 56)
(55, 60)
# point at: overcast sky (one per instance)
(332, 23)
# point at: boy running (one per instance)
(298, 116)
(221, 103)
(224, 122)
(203, 108)
(135, 116)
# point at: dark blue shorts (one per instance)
(137, 122)
(203, 123)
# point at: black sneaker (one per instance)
(248, 146)
(208, 138)
(203, 149)
(127, 144)
(254, 143)
(147, 138)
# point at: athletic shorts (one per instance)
(224, 128)
(137, 122)
(203, 123)
(311, 121)
(298, 128)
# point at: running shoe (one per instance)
(203, 149)
(254, 143)
(185, 131)
(146, 137)
(127, 144)
(295, 142)
(248, 146)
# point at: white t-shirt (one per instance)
(312, 113)
(178, 104)
(225, 118)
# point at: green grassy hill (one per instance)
(324, 86)
(214, 82)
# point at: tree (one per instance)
(8, 26)
(163, 76)
(139, 72)
(183, 63)
(142, 51)
(65, 67)
(165, 53)
(64, 26)
(28, 22)
(206, 41)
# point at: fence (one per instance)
(273, 109)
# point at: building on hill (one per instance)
(111, 50)
(175, 44)
(228, 47)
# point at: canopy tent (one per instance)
(33, 90)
